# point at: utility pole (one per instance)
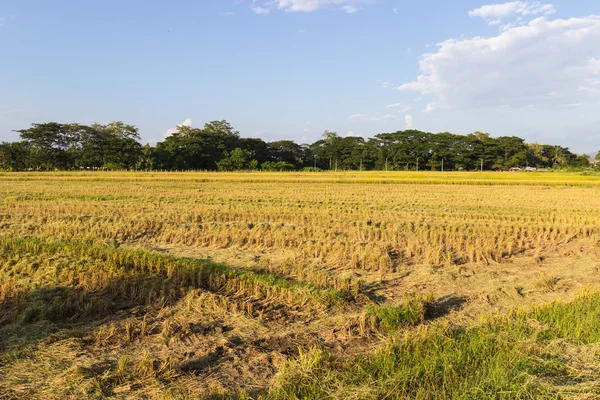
(336, 165)
(417, 164)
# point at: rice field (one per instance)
(299, 285)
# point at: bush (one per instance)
(276, 166)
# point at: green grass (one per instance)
(504, 357)
(410, 312)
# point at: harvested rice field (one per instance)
(256, 285)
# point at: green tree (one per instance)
(147, 159)
(326, 150)
(48, 144)
(276, 166)
(258, 149)
(404, 149)
(512, 150)
(237, 160)
(536, 156)
(580, 161)
(290, 152)
(122, 147)
(218, 145)
(14, 156)
(558, 156)
(197, 149)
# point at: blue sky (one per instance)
(281, 69)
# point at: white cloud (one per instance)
(358, 117)
(519, 67)
(508, 26)
(408, 122)
(370, 118)
(401, 107)
(432, 106)
(348, 6)
(592, 67)
(350, 134)
(169, 132)
(572, 105)
(226, 14)
(495, 13)
(260, 10)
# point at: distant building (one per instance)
(593, 162)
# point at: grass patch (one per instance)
(504, 357)
(78, 260)
(410, 312)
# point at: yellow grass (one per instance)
(312, 217)
(144, 269)
(428, 177)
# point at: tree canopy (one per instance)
(218, 146)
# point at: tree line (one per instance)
(218, 146)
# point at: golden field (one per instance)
(283, 285)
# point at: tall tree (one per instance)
(290, 152)
(14, 156)
(217, 145)
(48, 143)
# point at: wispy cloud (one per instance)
(227, 14)
(370, 118)
(400, 107)
(496, 13)
(260, 10)
(384, 84)
(408, 122)
(347, 6)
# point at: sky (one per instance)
(290, 69)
